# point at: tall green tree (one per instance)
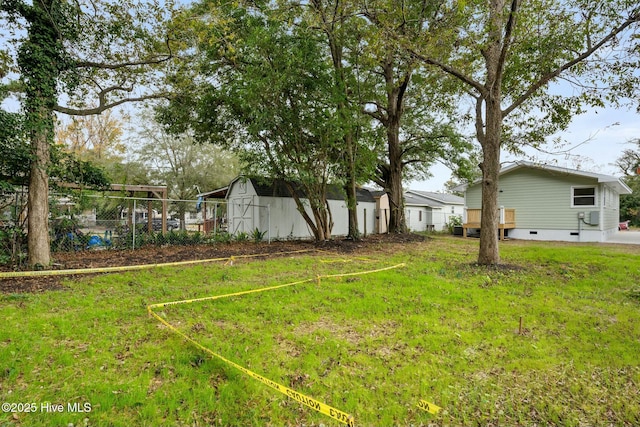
(267, 93)
(507, 53)
(341, 31)
(417, 108)
(95, 53)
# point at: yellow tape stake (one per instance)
(312, 403)
(429, 407)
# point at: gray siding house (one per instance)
(543, 202)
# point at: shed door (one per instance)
(241, 215)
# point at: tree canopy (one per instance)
(506, 53)
(77, 58)
(290, 86)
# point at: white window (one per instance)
(583, 196)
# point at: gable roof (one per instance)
(614, 182)
(440, 198)
(272, 187)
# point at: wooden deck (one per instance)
(473, 216)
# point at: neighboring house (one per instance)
(543, 202)
(210, 211)
(267, 205)
(429, 211)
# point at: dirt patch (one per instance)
(167, 254)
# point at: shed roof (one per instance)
(270, 187)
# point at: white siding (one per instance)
(279, 216)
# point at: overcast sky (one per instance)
(605, 133)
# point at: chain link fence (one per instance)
(83, 222)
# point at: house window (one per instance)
(583, 196)
(420, 216)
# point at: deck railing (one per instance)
(507, 219)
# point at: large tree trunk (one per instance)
(489, 253)
(397, 222)
(39, 251)
(491, 135)
(395, 111)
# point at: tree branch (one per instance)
(103, 106)
(508, 34)
(480, 134)
(381, 114)
(107, 66)
(450, 70)
(635, 17)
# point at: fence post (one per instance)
(134, 224)
(215, 218)
(269, 221)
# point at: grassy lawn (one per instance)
(552, 339)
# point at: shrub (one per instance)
(258, 236)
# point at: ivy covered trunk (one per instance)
(38, 202)
(40, 59)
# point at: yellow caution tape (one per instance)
(344, 261)
(323, 408)
(69, 272)
(314, 404)
(429, 407)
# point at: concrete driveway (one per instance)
(627, 237)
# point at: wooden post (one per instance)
(149, 213)
(365, 222)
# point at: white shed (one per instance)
(267, 205)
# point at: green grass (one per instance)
(439, 329)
